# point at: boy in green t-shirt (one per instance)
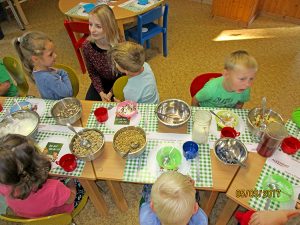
(231, 90)
(7, 87)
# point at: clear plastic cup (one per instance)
(201, 125)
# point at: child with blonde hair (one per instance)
(231, 90)
(37, 53)
(25, 184)
(129, 59)
(104, 34)
(172, 202)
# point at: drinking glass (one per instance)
(202, 120)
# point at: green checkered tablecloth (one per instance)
(45, 118)
(148, 121)
(136, 169)
(259, 203)
(59, 171)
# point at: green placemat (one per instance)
(45, 118)
(260, 202)
(136, 168)
(148, 121)
(58, 170)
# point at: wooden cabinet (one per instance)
(242, 11)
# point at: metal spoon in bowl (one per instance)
(263, 125)
(83, 142)
(17, 103)
(212, 112)
(235, 158)
(274, 186)
(133, 145)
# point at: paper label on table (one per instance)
(38, 104)
(284, 163)
(121, 121)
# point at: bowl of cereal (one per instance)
(255, 119)
(230, 119)
(132, 139)
(67, 110)
(126, 109)
(95, 138)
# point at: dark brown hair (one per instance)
(22, 166)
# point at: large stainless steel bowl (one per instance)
(125, 137)
(224, 146)
(95, 137)
(24, 122)
(173, 112)
(253, 124)
(67, 110)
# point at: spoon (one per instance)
(83, 142)
(212, 112)
(274, 186)
(168, 158)
(173, 116)
(233, 156)
(263, 125)
(17, 103)
(133, 145)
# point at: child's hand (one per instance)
(116, 100)
(278, 217)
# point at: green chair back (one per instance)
(17, 73)
(73, 77)
(118, 87)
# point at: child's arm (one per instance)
(239, 105)
(195, 101)
(4, 87)
(72, 186)
(278, 217)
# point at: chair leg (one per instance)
(81, 62)
(148, 44)
(11, 6)
(165, 45)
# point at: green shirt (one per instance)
(4, 76)
(213, 94)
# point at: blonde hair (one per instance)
(173, 197)
(28, 45)
(240, 58)
(128, 55)
(108, 22)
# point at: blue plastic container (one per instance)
(190, 150)
(143, 2)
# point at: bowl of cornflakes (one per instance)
(230, 119)
(255, 120)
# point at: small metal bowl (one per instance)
(173, 112)
(224, 145)
(96, 143)
(136, 151)
(17, 123)
(66, 104)
(254, 113)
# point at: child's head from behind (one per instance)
(173, 198)
(103, 25)
(128, 57)
(35, 49)
(22, 167)
(239, 71)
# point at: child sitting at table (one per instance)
(231, 90)
(37, 53)
(25, 184)
(129, 58)
(172, 201)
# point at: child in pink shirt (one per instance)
(24, 180)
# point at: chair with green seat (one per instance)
(59, 219)
(118, 87)
(72, 76)
(15, 69)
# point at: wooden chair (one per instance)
(72, 76)
(59, 219)
(81, 29)
(118, 87)
(199, 82)
(15, 69)
(146, 27)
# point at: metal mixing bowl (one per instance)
(24, 122)
(63, 105)
(173, 112)
(238, 149)
(96, 143)
(131, 139)
(251, 118)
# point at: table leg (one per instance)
(94, 194)
(121, 29)
(209, 202)
(117, 194)
(21, 12)
(227, 212)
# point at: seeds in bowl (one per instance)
(95, 139)
(129, 139)
(70, 109)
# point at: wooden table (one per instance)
(123, 16)
(245, 179)
(110, 167)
